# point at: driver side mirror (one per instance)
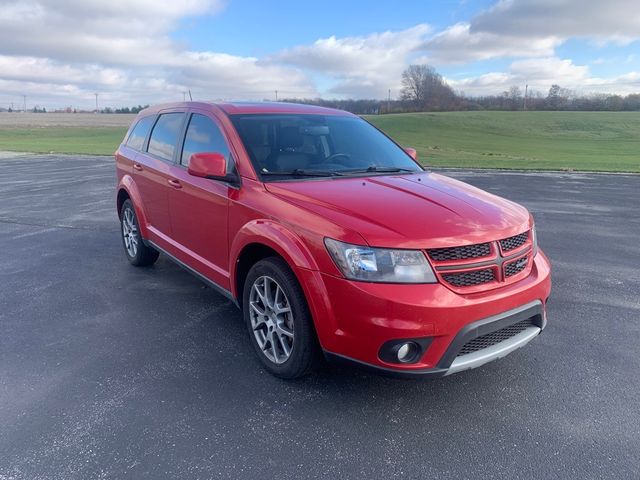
(412, 152)
(211, 165)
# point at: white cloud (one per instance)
(541, 73)
(32, 69)
(534, 28)
(59, 52)
(365, 66)
(613, 20)
(122, 49)
(457, 44)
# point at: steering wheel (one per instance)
(337, 155)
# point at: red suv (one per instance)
(331, 238)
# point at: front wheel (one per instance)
(280, 325)
(135, 249)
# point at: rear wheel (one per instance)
(278, 319)
(135, 249)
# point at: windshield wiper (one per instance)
(375, 169)
(301, 172)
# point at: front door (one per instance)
(200, 207)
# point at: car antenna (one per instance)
(190, 97)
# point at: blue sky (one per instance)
(144, 51)
(248, 27)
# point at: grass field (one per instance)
(599, 141)
(63, 132)
(89, 140)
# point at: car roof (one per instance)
(247, 108)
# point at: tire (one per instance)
(271, 328)
(137, 252)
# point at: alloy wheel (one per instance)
(271, 319)
(130, 232)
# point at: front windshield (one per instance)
(314, 145)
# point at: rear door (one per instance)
(152, 172)
(200, 206)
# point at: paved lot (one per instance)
(108, 371)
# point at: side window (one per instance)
(139, 133)
(164, 136)
(203, 135)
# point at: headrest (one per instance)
(253, 133)
(290, 137)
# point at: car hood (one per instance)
(424, 210)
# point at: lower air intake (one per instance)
(493, 338)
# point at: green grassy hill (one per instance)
(603, 141)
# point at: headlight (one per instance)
(383, 265)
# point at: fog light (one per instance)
(407, 352)
(404, 350)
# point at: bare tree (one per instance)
(426, 89)
(515, 97)
(553, 98)
(414, 80)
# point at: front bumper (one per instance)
(354, 319)
(452, 362)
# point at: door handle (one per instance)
(138, 167)
(174, 183)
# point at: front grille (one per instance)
(468, 279)
(516, 266)
(514, 242)
(493, 338)
(460, 253)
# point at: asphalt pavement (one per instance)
(110, 371)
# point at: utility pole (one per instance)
(389, 102)
(526, 89)
(24, 104)
(184, 96)
(276, 95)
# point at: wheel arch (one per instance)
(127, 189)
(260, 239)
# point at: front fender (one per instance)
(275, 236)
(128, 185)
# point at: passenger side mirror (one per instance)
(411, 152)
(208, 165)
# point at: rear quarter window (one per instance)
(139, 133)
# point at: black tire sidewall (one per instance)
(304, 352)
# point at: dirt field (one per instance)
(35, 120)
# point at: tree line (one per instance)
(425, 90)
(136, 109)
